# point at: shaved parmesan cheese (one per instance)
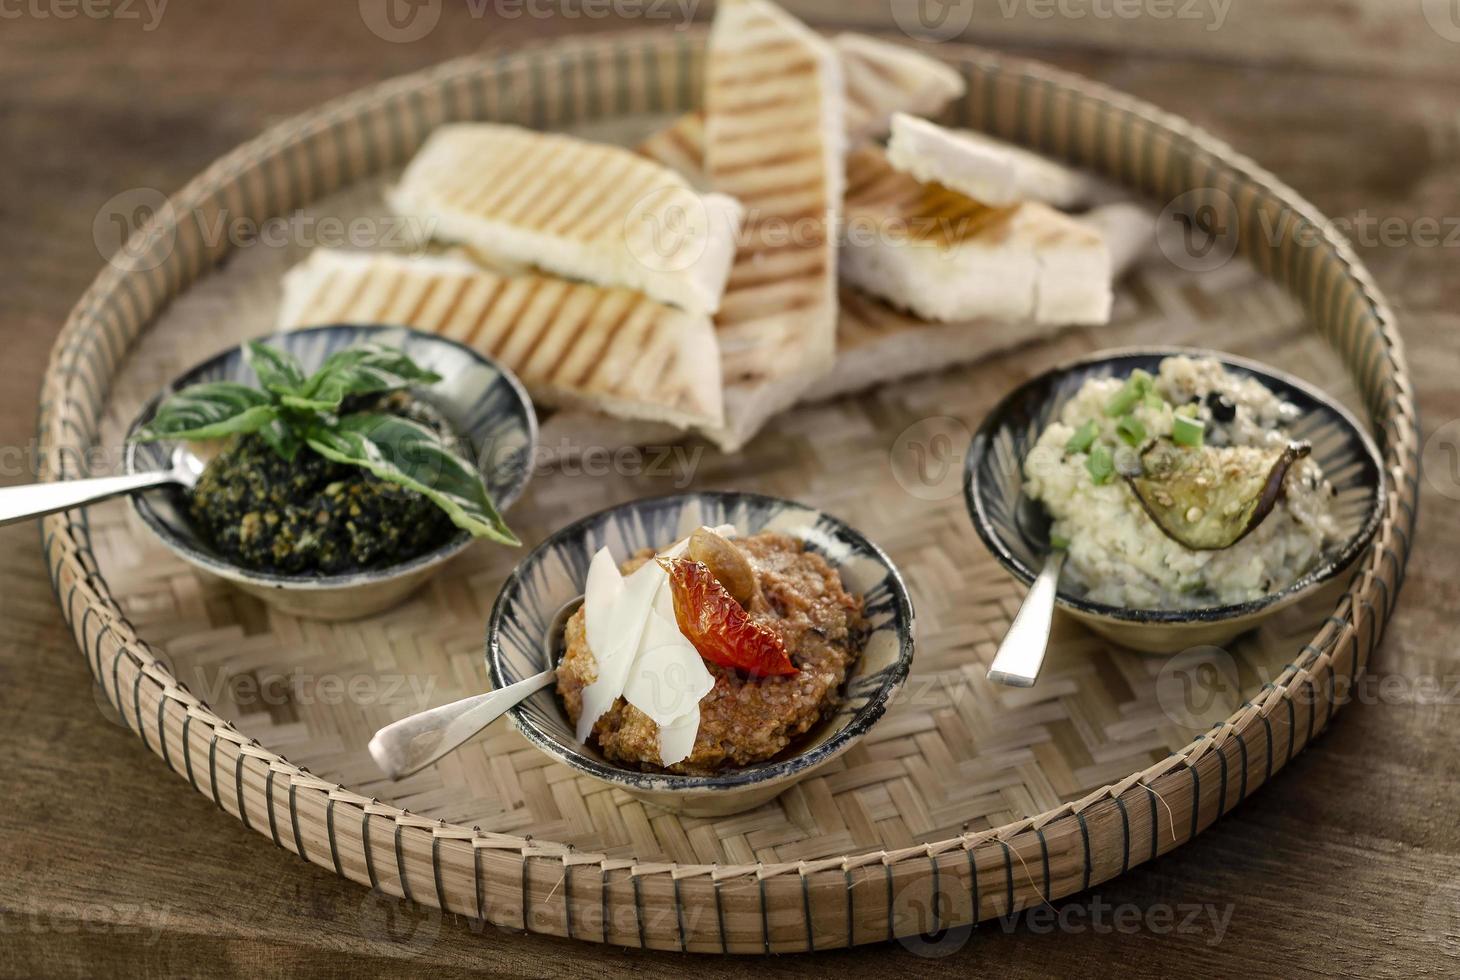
(619, 623)
(677, 739)
(668, 677)
(640, 653)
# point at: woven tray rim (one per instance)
(803, 905)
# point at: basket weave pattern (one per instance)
(540, 886)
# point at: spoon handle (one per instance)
(1021, 655)
(40, 499)
(411, 744)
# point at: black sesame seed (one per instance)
(1222, 408)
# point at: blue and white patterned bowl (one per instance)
(554, 574)
(483, 401)
(993, 485)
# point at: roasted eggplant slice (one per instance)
(1208, 498)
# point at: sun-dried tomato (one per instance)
(718, 626)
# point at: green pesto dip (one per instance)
(313, 516)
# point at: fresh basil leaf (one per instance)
(360, 371)
(411, 455)
(282, 439)
(278, 371)
(210, 411)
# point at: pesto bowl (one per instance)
(484, 403)
(994, 486)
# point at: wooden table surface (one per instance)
(1349, 864)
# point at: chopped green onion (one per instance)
(1083, 437)
(1189, 410)
(1059, 542)
(1122, 401)
(1154, 401)
(1187, 432)
(1100, 464)
(1136, 387)
(1131, 431)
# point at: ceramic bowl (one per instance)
(993, 484)
(555, 572)
(485, 404)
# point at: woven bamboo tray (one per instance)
(966, 801)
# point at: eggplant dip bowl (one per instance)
(1181, 489)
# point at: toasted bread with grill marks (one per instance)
(589, 211)
(948, 258)
(774, 140)
(883, 78)
(772, 136)
(572, 344)
(986, 169)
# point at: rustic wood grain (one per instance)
(1348, 865)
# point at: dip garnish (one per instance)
(718, 626)
(293, 413)
(1206, 498)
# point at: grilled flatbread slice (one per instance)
(948, 258)
(583, 210)
(774, 139)
(988, 170)
(572, 344)
(883, 78)
(877, 344)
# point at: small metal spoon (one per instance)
(413, 743)
(39, 499)
(1021, 655)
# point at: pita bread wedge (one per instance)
(774, 139)
(948, 258)
(988, 170)
(877, 344)
(583, 210)
(883, 78)
(571, 344)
